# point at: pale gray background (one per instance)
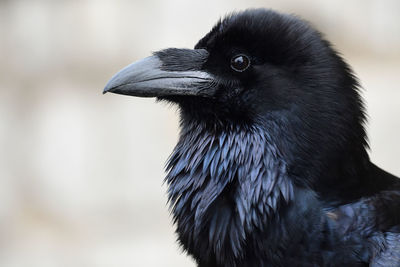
(81, 173)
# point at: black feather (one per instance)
(271, 167)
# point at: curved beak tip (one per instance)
(111, 85)
(107, 89)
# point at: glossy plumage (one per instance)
(271, 168)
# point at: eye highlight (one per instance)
(240, 63)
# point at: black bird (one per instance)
(271, 168)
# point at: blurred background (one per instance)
(80, 172)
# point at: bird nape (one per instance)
(271, 167)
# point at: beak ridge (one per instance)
(149, 78)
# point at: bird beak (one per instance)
(169, 72)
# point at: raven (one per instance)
(271, 167)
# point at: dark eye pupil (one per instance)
(240, 63)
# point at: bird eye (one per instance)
(240, 63)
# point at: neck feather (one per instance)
(223, 187)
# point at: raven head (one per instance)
(260, 67)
